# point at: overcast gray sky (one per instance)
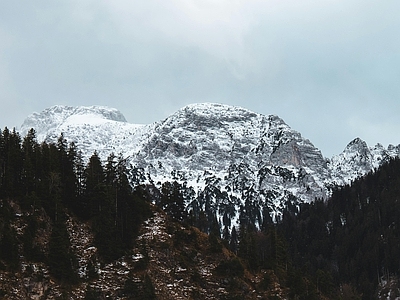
(329, 68)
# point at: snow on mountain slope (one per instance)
(357, 159)
(233, 151)
(232, 159)
(210, 136)
(55, 116)
(94, 128)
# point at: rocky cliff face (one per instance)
(357, 159)
(232, 159)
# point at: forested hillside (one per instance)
(354, 238)
(70, 228)
(53, 178)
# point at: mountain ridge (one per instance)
(221, 152)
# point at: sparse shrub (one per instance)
(232, 297)
(196, 277)
(348, 292)
(171, 228)
(266, 281)
(92, 294)
(141, 264)
(195, 294)
(184, 236)
(232, 267)
(9, 247)
(144, 261)
(91, 270)
(139, 290)
(148, 288)
(215, 245)
(131, 288)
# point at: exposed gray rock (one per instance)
(226, 154)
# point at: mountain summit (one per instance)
(92, 128)
(229, 157)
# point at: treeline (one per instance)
(354, 237)
(264, 250)
(51, 181)
(342, 248)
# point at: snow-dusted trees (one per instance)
(172, 201)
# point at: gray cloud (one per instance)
(330, 69)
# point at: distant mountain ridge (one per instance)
(231, 158)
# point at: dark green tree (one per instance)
(233, 242)
(61, 260)
(29, 148)
(95, 189)
(8, 238)
(172, 201)
(12, 164)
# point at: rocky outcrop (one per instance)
(207, 147)
(357, 159)
(168, 261)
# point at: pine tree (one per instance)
(124, 206)
(233, 243)
(95, 188)
(68, 177)
(148, 288)
(62, 262)
(101, 199)
(2, 159)
(79, 207)
(172, 201)
(226, 236)
(110, 170)
(8, 241)
(29, 162)
(12, 164)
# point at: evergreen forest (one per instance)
(347, 247)
(50, 181)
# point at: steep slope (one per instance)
(230, 159)
(230, 154)
(211, 137)
(168, 261)
(357, 159)
(354, 235)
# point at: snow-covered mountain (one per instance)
(357, 159)
(232, 159)
(94, 128)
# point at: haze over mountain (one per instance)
(326, 67)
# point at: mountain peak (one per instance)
(215, 110)
(215, 149)
(57, 115)
(215, 107)
(359, 147)
(357, 142)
